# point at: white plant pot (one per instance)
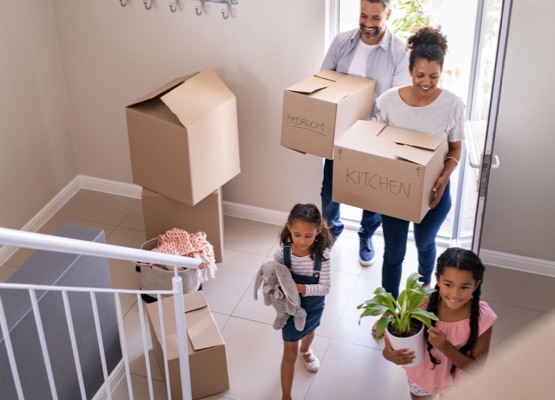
(413, 343)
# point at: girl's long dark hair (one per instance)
(309, 213)
(463, 260)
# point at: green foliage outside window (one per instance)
(412, 14)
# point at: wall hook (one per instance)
(173, 6)
(227, 13)
(148, 5)
(123, 2)
(202, 8)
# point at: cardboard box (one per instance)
(183, 137)
(162, 214)
(207, 357)
(319, 109)
(387, 170)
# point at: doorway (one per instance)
(472, 28)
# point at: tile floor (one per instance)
(352, 366)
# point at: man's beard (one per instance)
(371, 35)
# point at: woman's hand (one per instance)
(399, 357)
(437, 191)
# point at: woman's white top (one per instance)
(444, 117)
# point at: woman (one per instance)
(427, 108)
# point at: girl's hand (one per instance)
(438, 339)
(399, 357)
(301, 288)
(437, 191)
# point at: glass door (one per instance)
(483, 116)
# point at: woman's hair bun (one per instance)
(427, 36)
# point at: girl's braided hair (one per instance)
(463, 260)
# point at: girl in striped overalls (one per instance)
(305, 244)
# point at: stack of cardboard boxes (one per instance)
(376, 167)
(184, 145)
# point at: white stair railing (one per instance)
(38, 241)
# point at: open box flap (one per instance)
(331, 95)
(330, 75)
(414, 139)
(201, 327)
(414, 154)
(310, 85)
(164, 88)
(194, 301)
(203, 331)
(361, 130)
(197, 97)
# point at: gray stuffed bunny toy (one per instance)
(285, 297)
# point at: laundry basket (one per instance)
(159, 277)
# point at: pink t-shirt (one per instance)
(439, 379)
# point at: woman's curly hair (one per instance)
(428, 43)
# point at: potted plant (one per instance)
(402, 319)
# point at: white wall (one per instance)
(113, 55)
(36, 153)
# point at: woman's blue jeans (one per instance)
(370, 221)
(395, 232)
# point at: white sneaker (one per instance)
(311, 366)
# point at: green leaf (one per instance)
(373, 310)
(381, 325)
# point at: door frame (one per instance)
(489, 161)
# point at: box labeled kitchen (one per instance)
(387, 170)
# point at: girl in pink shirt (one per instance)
(462, 335)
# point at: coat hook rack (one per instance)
(123, 2)
(173, 6)
(148, 5)
(229, 11)
(202, 8)
(226, 13)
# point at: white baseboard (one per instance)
(108, 186)
(489, 257)
(254, 213)
(518, 263)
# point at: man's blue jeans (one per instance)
(330, 209)
(395, 232)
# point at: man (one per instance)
(371, 51)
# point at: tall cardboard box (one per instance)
(183, 137)
(206, 347)
(387, 170)
(162, 214)
(319, 109)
